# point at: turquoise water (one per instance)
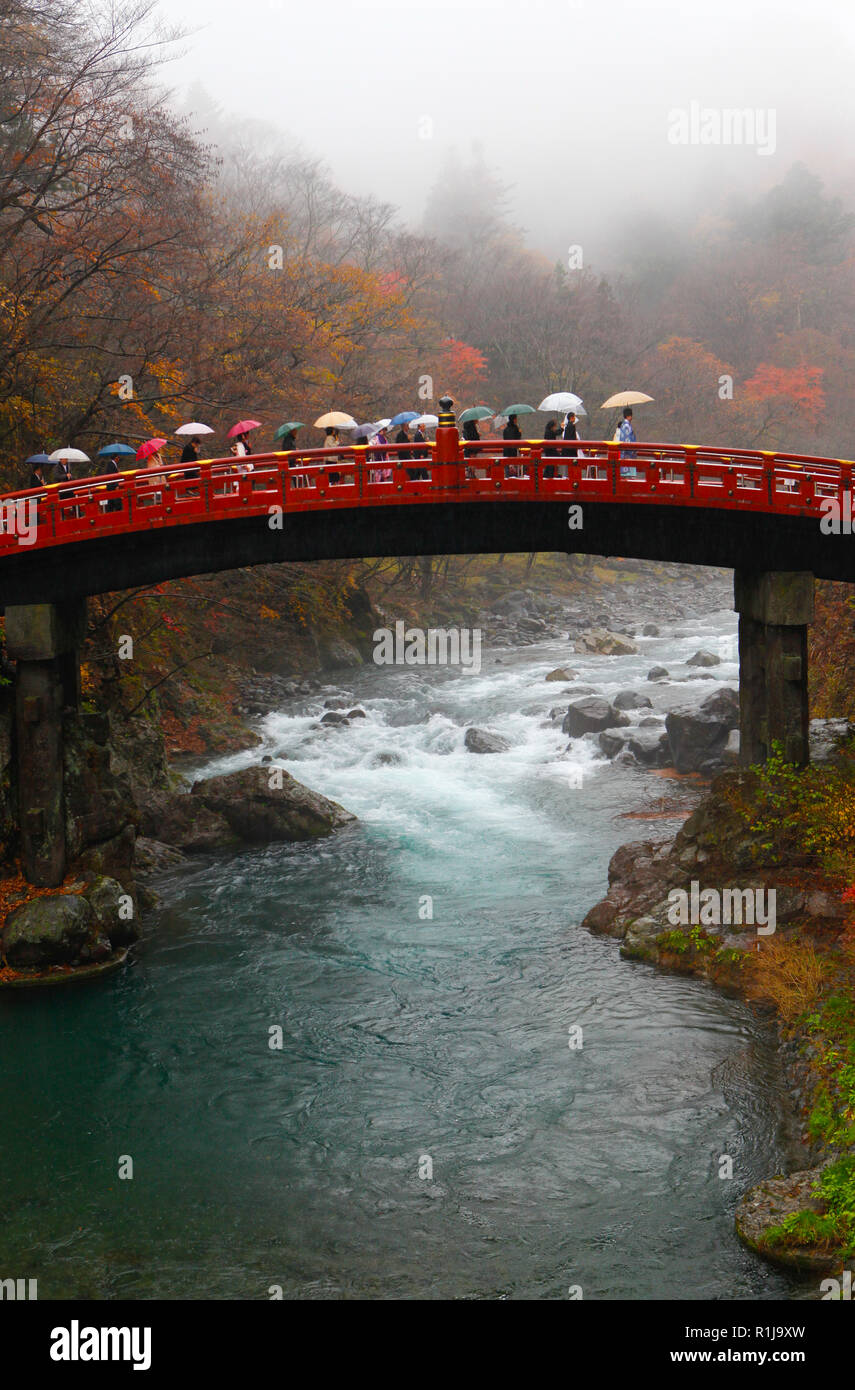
(404, 1038)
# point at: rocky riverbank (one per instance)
(729, 899)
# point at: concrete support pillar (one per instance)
(44, 640)
(774, 612)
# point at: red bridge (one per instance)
(776, 519)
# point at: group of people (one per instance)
(561, 442)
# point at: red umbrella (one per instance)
(150, 447)
(242, 426)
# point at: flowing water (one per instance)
(425, 1130)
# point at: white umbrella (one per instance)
(431, 421)
(382, 424)
(562, 400)
(69, 456)
(194, 428)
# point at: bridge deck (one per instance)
(688, 476)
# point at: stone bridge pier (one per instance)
(44, 639)
(774, 610)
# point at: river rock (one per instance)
(154, 857)
(338, 654)
(336, 703)
(54, 930)
(110, 904)
(767, 1204)
(826, 735)
(259, 813)
(650, 747)
(484, 741)
(605, 643)
(699, 737)
(590, 715)
(356, 714)
(650, 721)
(630, 699)
(650, 630)
(611, 741)
(561, 674)
(704, 658)
(334, 717)
(390, 759)
(657, 673)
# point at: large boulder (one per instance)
(704, 658)
(54, 930)
(657, 673)
(484, 741)
(263, 804)
(630, 699)
(611, 741)
(590, 715)
(561, 673)
(605, 643)
(649, 746)
(114, 909)
(337, 655)
(698, 737)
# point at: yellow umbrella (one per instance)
(336, 419)
(625, 398)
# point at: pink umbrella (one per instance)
(150, 447)
(242, 426)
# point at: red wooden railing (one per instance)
(686, 475)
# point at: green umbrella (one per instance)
(288, 427)
(517, 410)
(477, 412)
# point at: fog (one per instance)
(574, 103)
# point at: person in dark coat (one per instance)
(511, 431)
(570, 432)
(287, 444)
(37, 476)
(549, 434)
(403, 437)
(114, 505)
(190, 454)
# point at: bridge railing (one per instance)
(394, 474)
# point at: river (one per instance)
(425, 1130)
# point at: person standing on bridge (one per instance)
(626, 435)
(511, 431)
(420, 437)
(550, 433)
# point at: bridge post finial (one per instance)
(446, 455)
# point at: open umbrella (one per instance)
(625, 398)
(562, 400)
(427, 421)
(37, 460)
(335, 419)
(517, 410)
(111, 451)
(383, 424)
(242, 427)
(194, 428)
(69, 456)
(475, 412)
(150, 447)
(404, 417)
(288, 428)
(365, 431)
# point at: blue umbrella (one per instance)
(38, 459)
(405, 417)
(111, 450)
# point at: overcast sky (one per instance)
(571, 101)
